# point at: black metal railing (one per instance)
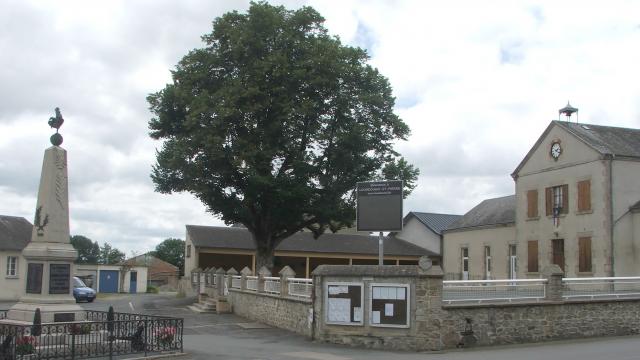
(97, 337)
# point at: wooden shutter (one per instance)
(548, 192)
(532, 253)
(584, 253)
(584, 195)
(565, 199)
(532, 203)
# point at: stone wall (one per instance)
(435, 326)
(285, 313)
(515, 324)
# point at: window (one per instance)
(487, 262)
(12, 266)
(532, 264)
(465, 263)
(557, 197)
(513, 261)
(584, 195)
(532, 204)
(557, 248)
(584, 254)
(188, 250)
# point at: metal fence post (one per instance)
(73, 345)
(146, 336)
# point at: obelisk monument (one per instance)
(50, 256)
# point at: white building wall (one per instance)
(418, 234)
(626, 192)
(10, 286)
(497, 238)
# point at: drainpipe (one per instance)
(611, 224)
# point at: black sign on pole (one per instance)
(379, 205)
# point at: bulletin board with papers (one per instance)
(389, 305)
(344, 303)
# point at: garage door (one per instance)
(108, 281)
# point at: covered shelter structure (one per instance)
(227, 247)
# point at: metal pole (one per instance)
(380, 249)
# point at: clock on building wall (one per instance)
(556, 150)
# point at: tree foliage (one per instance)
(110, 255)
(88, 251)
(272, 124)
(172, 251)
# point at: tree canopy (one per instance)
(88, 251)
(273, 122)
(172, 251)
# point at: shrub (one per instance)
(165, 335)
(152, 289)
(26, 345)
(80, 329)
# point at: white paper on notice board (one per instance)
(339, 310)
(401, 294)
(357, 314)
(388, 309)
(376, 292)
(335, 290)
(376, 317)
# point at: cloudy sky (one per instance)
(476, 81)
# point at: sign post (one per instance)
(379, 209)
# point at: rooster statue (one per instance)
(56, 122)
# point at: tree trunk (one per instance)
(265, 257)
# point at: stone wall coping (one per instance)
(376, 270)
(534, 303)
(274, 296)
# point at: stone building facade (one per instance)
(576, 205)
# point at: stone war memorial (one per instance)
(46, 323)
(50, 255)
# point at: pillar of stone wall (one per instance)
(553, 288)
(210, 276)
(220, 282)
(231, 272)
(244, 273)
(285, 274)
(262, 273)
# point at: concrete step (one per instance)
(199, 310)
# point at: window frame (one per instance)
(9, 267)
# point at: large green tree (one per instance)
(273, 122)
(88, 251)
(172, 251)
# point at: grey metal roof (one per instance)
(436, 222)
(490, 212)
(240, 238)
(15, 232)
(607, 140)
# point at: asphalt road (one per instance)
(230, 337)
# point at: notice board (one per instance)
(389, 305)
(379, 205)
(344, 303)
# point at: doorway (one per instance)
(557, 256)
(133, 282)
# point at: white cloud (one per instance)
(476, 81)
